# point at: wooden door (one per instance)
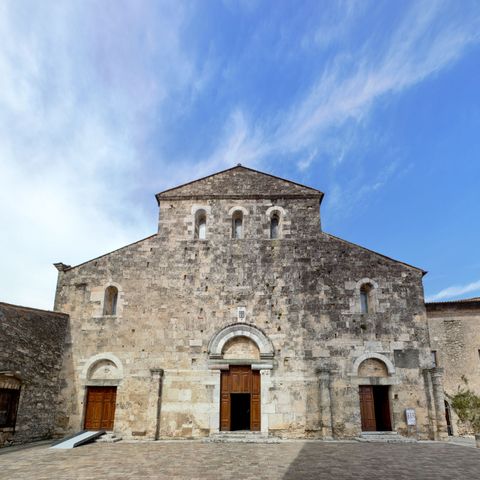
(367, 408)
(255, 402)
(100, 408)
(239, 379)
(225, 405)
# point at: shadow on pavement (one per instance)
(372, 461)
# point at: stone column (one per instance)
(427, 379)
(439, 402)
(266, 407)
(215, 406)
(157, 377)
(325, 403)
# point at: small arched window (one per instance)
(237, 224)
(110, 301)
(366, 300)
(201, 225)
(274, 226)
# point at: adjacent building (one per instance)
(31, 352)
(455, 340)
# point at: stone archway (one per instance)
(218, 341)
(102, 374)
(244, 356)
(378, 356)
(372, 370)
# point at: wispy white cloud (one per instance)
(335, 24)
(346, 197)
(455, 291)
(424, 43)
(427, 40)
(76, 101)
(82, 86)
(303, 164)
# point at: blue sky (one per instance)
(103, 104)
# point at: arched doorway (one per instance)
(103, 374)
(240, 352)
(375, 409)
(240, 386)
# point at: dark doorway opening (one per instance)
(375, 408)
(240, 412)
(382, 408)
(447, 418)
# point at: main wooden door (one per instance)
(239, 380)
(100, 408)
(367, 408)
(375, 408)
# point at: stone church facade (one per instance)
(242, 314)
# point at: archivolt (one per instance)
(218, 341)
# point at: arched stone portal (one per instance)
(244, 356)
(375, 401)
(102, 374)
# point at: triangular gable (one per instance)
(238, 182)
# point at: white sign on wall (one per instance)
(241, 314)
(411, 416)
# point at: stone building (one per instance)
(455, 339)
(31, 348)
(240, 313)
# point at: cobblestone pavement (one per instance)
(289, 460)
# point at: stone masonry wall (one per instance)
(455, 335)
(31, 350)
(301, 291)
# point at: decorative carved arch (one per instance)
(378, 356)
(92, 361)
(218, 341)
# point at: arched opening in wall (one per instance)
(240, 350)
(200, 224)
(375, 409)
(448, 419)
(240, 386)
(274, 226)
(102, 379)
(237, 224)
(9, 400)
(110, 300)
(366, 298)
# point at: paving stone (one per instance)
(287, 460)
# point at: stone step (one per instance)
(108, 438)
(384, 437)
(241, 437)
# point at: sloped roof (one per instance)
(460, 304)
(239, 182)
(424, 272)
